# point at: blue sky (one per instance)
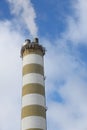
(62, 28)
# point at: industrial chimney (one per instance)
(33, 91)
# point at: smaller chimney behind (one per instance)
(36, 40)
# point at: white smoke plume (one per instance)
(24, 10)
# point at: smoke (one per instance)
(24, 10)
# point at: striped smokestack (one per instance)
(33, 91)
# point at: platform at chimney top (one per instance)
(32, 47)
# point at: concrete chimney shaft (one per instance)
(33, 91)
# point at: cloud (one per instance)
(10, 83)
(25, 13)
(76, 25)
(66, 75)
(66, 79)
